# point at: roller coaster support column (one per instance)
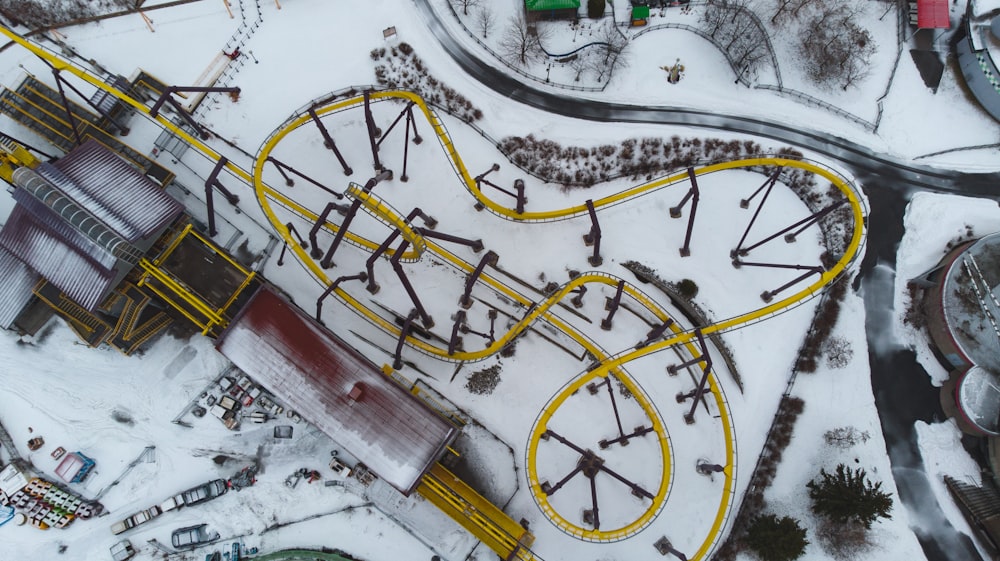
(373, 286)
(577, 300)
(455, 342)
(476, 245)
(663, 545)
(767, 295)
(397, 357)
(167, 97)
(489, 259)
(424, 318)
(593, 238)
(316, 252)
(282, 167)
(701, 389)
(611, 304)
(655, 333)
(745, 203)
(122, 129)
(675, 212)
(790, 237)
(327, 260)
(479, 180)
(211, 184)
(284, 247)
(333, 286)
(329, 143)
(373, 131)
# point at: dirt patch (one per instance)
(483, 382)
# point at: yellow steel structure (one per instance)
(210, 319)
(267, 196)
(13, 156)
(481, 518)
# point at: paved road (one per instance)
(902, 392)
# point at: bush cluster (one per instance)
(822, 327)
(49, 13)
(398, 67)
(645, 158)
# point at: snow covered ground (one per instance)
(112, 407)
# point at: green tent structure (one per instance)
(640, 14)
(552, 9)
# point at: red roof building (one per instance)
(396, 435)
(932, 14)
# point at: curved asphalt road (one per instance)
(902, 392)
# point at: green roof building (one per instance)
(551, 9)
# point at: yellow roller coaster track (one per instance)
(537, 310)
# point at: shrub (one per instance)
(776, 539)
(687, 288)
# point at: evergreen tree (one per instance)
(776, 539)
(848, 496)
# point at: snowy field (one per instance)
(112, 407)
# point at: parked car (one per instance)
(192, 536)
(176, 501)
(204, 492)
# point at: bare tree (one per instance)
(740, 35)
(579, 64)
(485, 20)
(465, 5)
(521, 41)
(611, 54)
(836, 50)
(786, 10)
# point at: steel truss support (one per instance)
(333, 286)
(611, 305)
(479, 179)
(518, 192)
(489, 337)
(767, 186)
(211, 185)
(590, 464)
(398, 268)
(167, 97)
(768, 183)
(410, 122)
(593, 238)
(675, 212)
(329, 143)
(284, 246)
(798, 227)
(60, 82)
(489, 259)
(397, 357)
(283, 167)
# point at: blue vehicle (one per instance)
(6, 514)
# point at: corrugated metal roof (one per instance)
(112, 190)
(16, 282)
(81, 269)
(313, 372)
